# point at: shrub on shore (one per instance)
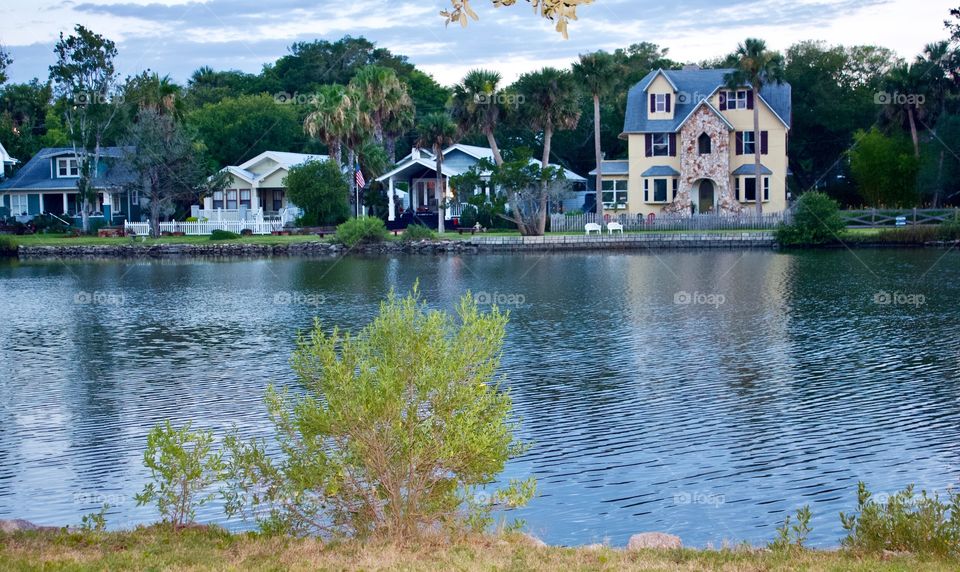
(366, 230)
(219, 234)
(816, 220)
(417, 232)
(8, 245)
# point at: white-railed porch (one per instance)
(204, 228)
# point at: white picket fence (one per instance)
(205, 228)
(573, 223)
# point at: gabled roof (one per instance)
(5, 158)
(614, 167)
(692, 87)
(474, 151)
(36, 174)
(282, 160)
(706, 103)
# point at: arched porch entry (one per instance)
(703, 197)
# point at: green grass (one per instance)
(202, 548)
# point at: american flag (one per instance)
(361, 182)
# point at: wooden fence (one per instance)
(575, 223)
(876, 218)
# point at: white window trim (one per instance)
(665, 145)
(22, 202)
(73, 173)
(619, 191)
(737, 99)
(741, 189)
(750, 142)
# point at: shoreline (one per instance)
(752, 240)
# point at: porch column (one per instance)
(447, 194)
(415, 198)
(391, 207)
(66, 210)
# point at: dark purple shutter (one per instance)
(764, 141)
(673, 144)
(649, 150)
(749, 99)
(739, 143)
(723, 101)
(668, 103)
(653, 103)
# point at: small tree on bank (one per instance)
(400, 423)
(320, 189)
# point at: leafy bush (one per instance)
(321, 190)
(904, 522)
(816, 220)
(361, 230)
(793, 536)
(468, 217)
(418, 232)
(219, 234)
(182, 467)
(400, 425)
(192, 219)
(949, 230)
(906, 235)
(8, 245)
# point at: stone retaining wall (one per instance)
(754, 239)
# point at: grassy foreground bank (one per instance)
(158, 548)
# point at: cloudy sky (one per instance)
(177, 36)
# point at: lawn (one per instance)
(157, 548)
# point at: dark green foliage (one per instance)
(320, 189)
(417, 232)
(238, 128)
(365, 230)
(223, 235)
(8, 245)
(885, 169)
(904, 522)
(816, 220)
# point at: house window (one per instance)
(134, 198)
(659, 190)
(68, 168)
(615, 194)
(737, 99)
(231, 199)
(750, 189)
(749, 143)
(660, 103)
(704, 145)
(277, 200)
(18, 205)
(245, 198)
(218, 199)
(661, 144)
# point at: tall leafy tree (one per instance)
(756, 67)
(885, 169)
(320, 189)
(150, 90)
(907, 86)
(239, 128)
(84, 78)
(475, 107)
(436, 131)
(5, 61)
(551, 102)
(385, 100)
(597, 72)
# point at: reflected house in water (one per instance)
(411, 185)
(256, 189)
(47, 184)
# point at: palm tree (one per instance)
(386, 101)
(474, 106)
(596, 73)
(436, 131)
(756, 67)
(328, 121)
(907, 86)
(551, 102)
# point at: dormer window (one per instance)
(660, 103)
(704, 144)
(67, 167)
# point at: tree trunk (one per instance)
(758, 184)
(154, 215)
(438, 190)
(492, 141)
(939, 188)
(913, 132)
(390, 144)
(599, 154)
(544, 195)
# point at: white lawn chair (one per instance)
(614, 226)
(593, 227)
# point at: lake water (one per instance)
(705, 394)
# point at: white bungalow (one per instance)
(256, 189)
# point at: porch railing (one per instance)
(205, 228)
(877, 218)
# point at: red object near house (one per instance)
(651, 218)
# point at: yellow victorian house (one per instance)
(691, 146)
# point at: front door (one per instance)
(705, 197)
